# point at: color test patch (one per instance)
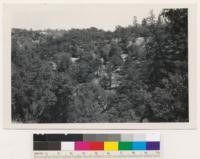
(54, 145)
(93, 142)
(152, 137)
(125, 145)
(139, 146)
(126, 137)
(40, 145)
(110, 146)
(97, 146)
(106, 146)
(82, 145)
(139, 137)
(153, 146)
(67, 146)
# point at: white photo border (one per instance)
(192, 72)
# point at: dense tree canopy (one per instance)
(137, 73)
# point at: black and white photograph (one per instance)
(99, 63)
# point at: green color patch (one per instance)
(125, 145)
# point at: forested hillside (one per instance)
(137, 73)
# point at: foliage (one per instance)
(137, 73)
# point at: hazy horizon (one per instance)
(78, 16)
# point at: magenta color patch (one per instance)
(79, 145)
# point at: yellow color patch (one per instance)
(110, 146)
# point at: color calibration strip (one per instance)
(105, 145)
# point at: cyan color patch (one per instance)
(139, 146)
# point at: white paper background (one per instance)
(176, 144)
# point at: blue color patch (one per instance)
(139, 146)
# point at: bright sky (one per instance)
(67, 16)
